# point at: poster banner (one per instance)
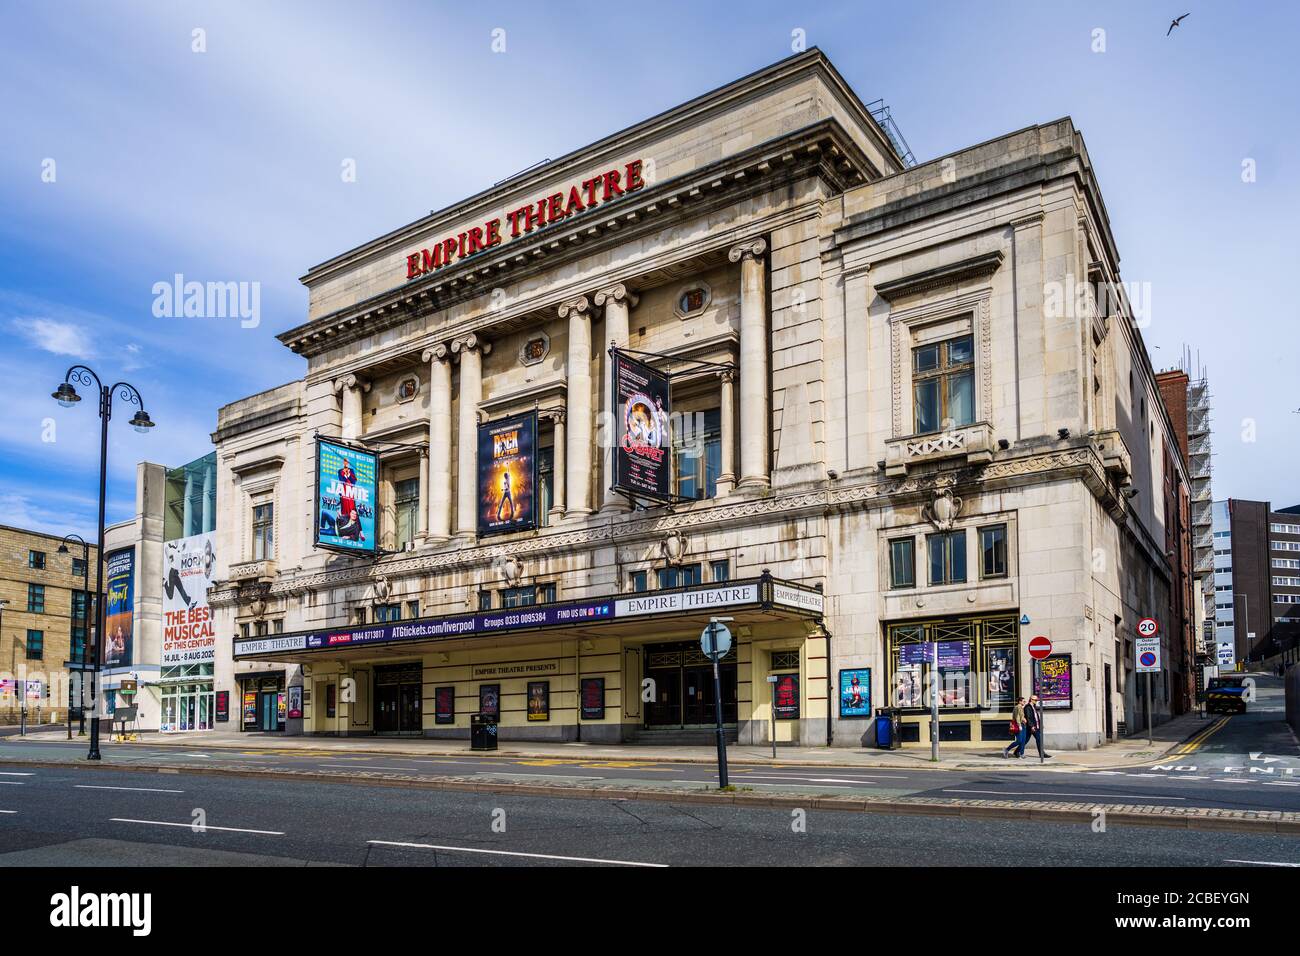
(507, 475)
(489, 700)
(593, 698)
(444, 705)
(295, 701)
(1052, 682)
(855, 692)
(539, 700)
(119, 586)
(953, 655)
(642, 434)
(787, 696)
(346, 493)
(223, 706)
(189, 636)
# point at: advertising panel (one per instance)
(593, 698)
(855, 692)
(539, 700)
(642, 434)
(444, 705)
(119, 607)
(1052, 682)
(189, 636)
(507, 475)
(346, 493)
(787, 696)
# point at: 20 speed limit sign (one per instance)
(1147, 627)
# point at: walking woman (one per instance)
(1018, 730)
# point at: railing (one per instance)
(974, 443)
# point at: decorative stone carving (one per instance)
(943, 510)
(616, 293)
(750, 248)
(691, 300)
(509, 567)
(535, 349)
(383, 588)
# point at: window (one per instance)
(277, 626)
(36, 598)
(993, 551)
(35, 645)
(697, 453)
(359, 615)
(36, 560)
(485, 600)
(639, 582)
(720, 571)
(902, 563)
(947, 552)
(943, 384)
(546, 593)
(406, 512)
(387, 613)
(259, 628)
(243, 629)
(679, 577)
(545, 484)
(518, 597)
(413, 609)
(263, 532)
(78, 567)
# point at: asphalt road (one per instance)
(80, 817)
(1249, 761)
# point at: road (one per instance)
(1245, 762)
(78, 817)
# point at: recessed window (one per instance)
(412, 609)
(943, 385)
(639, 582)
(720, 571)
(697, 453)
(35, 645)
(545, 483)
(519, 597)
(406, 511)
(36, 560)
(263, 532)
(78, 567)
(902, 563)
(387, 613)
(485, 600)
(993, 551)
(36, 598)
(947, 551)
(679, 577)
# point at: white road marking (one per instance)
(786, 776)
(1262, 862)
(191, 826)
(1057, 793)
(532, 856)
(364, 766)
(15, 773)
(1282, 783)
(14, 783)
(88, 786)
(8, 811)
(1109, 773)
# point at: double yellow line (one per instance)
(1201, 738)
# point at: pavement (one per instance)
(1130, 752)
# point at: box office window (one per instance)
(947, 554)
(976, 662)
(902, 563)
(993, 551)
(943, 384)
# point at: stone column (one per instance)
(727, 474)
(755, 399)
(557, 466)
(470, 350)
(577, 484)
(187, 504)
(439, 464)
(209, 488)
(617, 301)
(353, 389)
(422, 513)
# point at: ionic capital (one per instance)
(581, 307)
(749, 249)
(440, 352)
(471, 342)
(618, 293)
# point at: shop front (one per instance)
(264, 703)
(978, 674)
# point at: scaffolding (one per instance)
(1199, 469)
(880, 112)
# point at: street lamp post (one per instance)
(1245, 599)
(85, 638)
(66, 395)
(4, 604)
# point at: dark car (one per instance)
(1226, 695)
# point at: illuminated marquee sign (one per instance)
(546, 211)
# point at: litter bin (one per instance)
(482, 732)
(888, 735)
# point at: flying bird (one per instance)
(1175, 23)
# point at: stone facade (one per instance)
(798, 280)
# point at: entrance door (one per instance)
(267, 710)
(683, 687)
(386, 708)
(408, 708)
(665, 710)
(1110, 707)
(397, 695)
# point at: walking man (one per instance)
(1034, 728)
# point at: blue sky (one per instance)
(225, 166)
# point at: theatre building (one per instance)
(740, 360)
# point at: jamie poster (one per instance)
(189, 636)
(507, 475)
(855, 692)
(1052, 682)
(345, 497)
(643, 437)
(119, 607)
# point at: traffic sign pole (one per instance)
(934, 703)
(710, 641)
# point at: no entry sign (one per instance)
(1040, 648)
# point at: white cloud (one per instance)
(61, 338)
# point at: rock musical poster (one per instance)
(346, 488)
(119, 607)
(507, 475)
(642, 433)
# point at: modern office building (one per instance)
(741, 360)
(1257, 579)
